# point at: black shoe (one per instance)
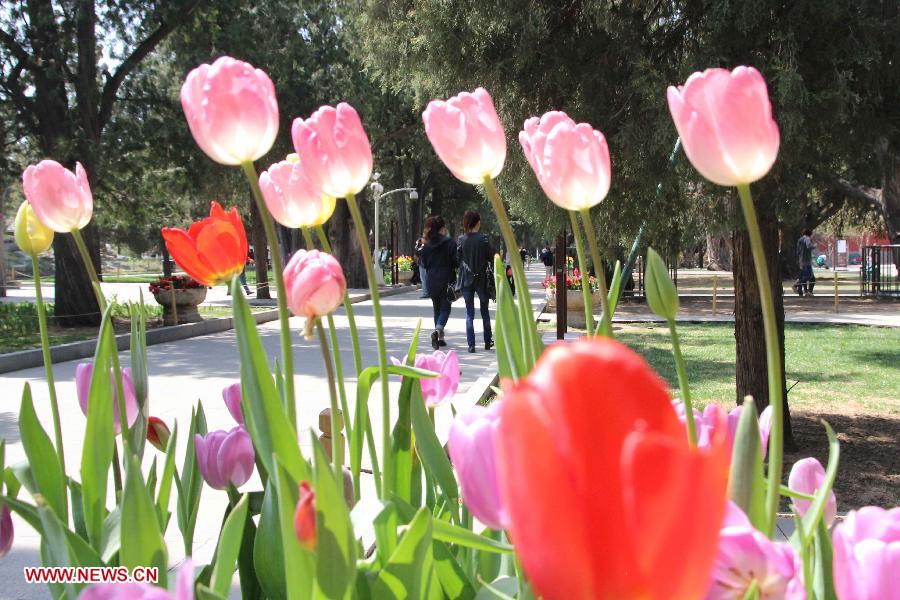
(434, 339)
(442, 343)
(471, 349)
(489, 344)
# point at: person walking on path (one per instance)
(474, 252)
(807, 280)
(440, 260)
(547, 259)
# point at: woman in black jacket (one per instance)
(474, 257)
(439, 259)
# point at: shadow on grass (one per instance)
(887, 359)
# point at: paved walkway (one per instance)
(183, 372)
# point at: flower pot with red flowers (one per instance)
(574, 297)
(179, 296)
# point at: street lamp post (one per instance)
(377, 194)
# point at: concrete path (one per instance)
(187, 371)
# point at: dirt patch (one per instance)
(869, 468)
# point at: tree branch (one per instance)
(137, 55)
(869, 195)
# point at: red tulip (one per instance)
(305, 517)
(158, 433)
(605, 497)
(213, 250)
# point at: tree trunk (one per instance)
(3, 196)
(750, 370)
(260, 253)
(889, 156)
(74, 301)
(345, 244)
(718, 252)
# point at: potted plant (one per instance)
(574, 296)
(405, 267)
(179, 296)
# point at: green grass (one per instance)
(840, 368)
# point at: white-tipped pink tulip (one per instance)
(807, 476)
(571, 160)
(61, 199)
(315, 285)
(231, 109)
(467, 135)
(293, 197)
(725, 122)
(83, 374)
(334, 148)
(231, 394)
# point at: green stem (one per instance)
(287, 357)
(387, 475)
(526, 312)
(89, 265)
(606, 318)
(348, 307)
(683, 384)
(337, 448)
(48, 363)
(585, 277)
(773, 358)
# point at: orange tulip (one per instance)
(604, 496)
(213, 250)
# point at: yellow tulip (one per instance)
(32, 236)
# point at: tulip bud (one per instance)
(305, 517)
(83, 374)
(225, 457)
(6, 531)
(437, 390)
(662, 296)
(807, 476)
(60, 198)
(315, 285)
(293, 196)
(472, 443)
(32, 236)
(231, 394)
(158, 433)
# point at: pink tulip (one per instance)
(315, 285)
(293, 197)
(746, 555)
(333, 145)
(231, 394)
(867, 555)
(437, 390)
(472, 445)
(707, 419)
(184, 588)
(231, 110)
(571, 161)
(83, 374)
(467, 135)
(61, 199)
(807, 476)
(225, 457)
(6, 531)
(725, 122)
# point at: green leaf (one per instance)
(97, 453)
(385, 525)
(228, 548)
(454, 534)
(142, 542)
(299, 563)
(190, 483)
(410, 570)
(271, 431)
(204, 593)
(401, 438)
(510, 346)
(503, 588)
(662, 296)
(165, 483)
(77, 508)
(823, 578)
(12, 482)
(616, 290)
(50, 480)
(139, 373)
(336, 542)
(112, 535)
(54, 549)
(269, 565)
(434, 458)
(746, 482)
(450, 574)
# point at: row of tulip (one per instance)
(595, 488)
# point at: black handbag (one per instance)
(490, 283)
(452, 292)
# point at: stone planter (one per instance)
(186, 302)
(404, 277)
(574, 307)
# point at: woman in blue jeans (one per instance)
(474, 252)
(439, 259)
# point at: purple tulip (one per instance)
(231, 394)
(706, 423)
(83, 374)
(867, 555)
(184, 588)
(746, 555)
(437, 390)
(225, 457)
(807, 476)
(472, 445)
(6, 531)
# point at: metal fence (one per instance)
(879, 273)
